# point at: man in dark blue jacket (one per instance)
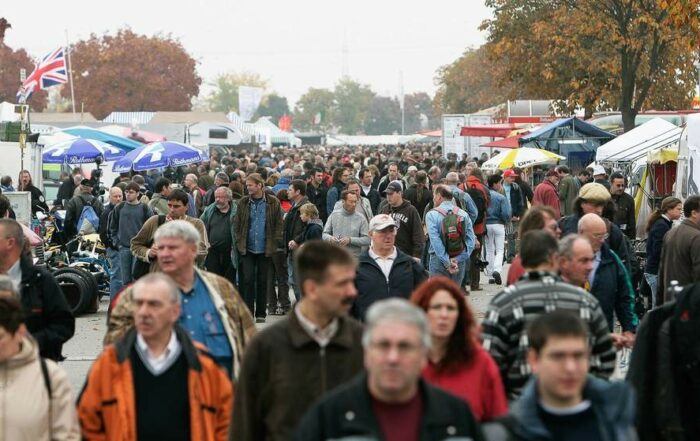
(384, 271)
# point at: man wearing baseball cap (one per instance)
(384, 270)
(410, 237)
(599, 175)
(546, 193)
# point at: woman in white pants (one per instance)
(497, 215)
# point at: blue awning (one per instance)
(114, 140)
(579, 128)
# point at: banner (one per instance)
(248, 101)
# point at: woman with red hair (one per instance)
(457, 363)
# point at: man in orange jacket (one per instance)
(155, 382)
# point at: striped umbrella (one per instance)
(522, 157)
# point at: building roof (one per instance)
(55, 117)
(188, 117)
(129, 117)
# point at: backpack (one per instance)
(481, 202)
(458, 200)
(452, 232)
(89, 221)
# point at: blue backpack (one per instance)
(89, 221)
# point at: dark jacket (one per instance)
(317, 196)
(74, 209)
(517, 206)
(373, 197)
(273, 224)
(568, 192)
(313, 230)
(612, 402)
(293, 226)
(624, 215)
(680, 257)
(105, 234)
(285, 371)
(613, 289)
(405, 276)
(616, 240)
(65, 191)
(418, 196)
(48, 316)
(655, 241)
(410, 237)
(38, 201)
(347, 413)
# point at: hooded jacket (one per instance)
(364, 207)
(26, 412)
(612, 402)
(410, 237)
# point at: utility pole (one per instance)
(401, 103)
(70, 73)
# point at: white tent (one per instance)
(635, 144)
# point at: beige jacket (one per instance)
(237, 320)
(25, 411)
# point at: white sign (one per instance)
(452, 140)
(21, 203)
(248, 101)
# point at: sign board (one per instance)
(452, 141)
(21, 203)
(473, 143)
(22, 75)
(248, 101)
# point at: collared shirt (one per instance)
(256, 228)
(366, 190)
(596, 263)
(158, 365)
(202, 320)
(385, 263)
(322, 336)
(15, 274)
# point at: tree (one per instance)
(131, 72)
(11, 61)
(621, 54)
(353, 102)
(224, 97)
(312, 104)
(273, 105)
(418, 113)
(383, 117)
(469, 84)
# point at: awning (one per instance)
(489, 130)
(576, 127)
(635, 144)
(506, 143)
(432, 133)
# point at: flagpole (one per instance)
(70, 73)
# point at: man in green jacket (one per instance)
(218, 217)
(568, 190)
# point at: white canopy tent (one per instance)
(635, 144)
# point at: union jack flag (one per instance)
(50, 71)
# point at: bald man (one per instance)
(609, 281)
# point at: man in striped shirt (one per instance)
(504, 333)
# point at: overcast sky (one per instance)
(295, 44)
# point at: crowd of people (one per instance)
(371, 256)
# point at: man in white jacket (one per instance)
(36, 402)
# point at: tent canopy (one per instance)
(635, 144)
(506, 143)
(489, 130)
(579, 128)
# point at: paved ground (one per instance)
(84, 347)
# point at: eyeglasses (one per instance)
(601, 236)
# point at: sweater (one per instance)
(127, 220)
(342, 223)
(409, 237)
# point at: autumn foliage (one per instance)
(131, 72)
(11, 61)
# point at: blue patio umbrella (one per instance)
(159, 155)
(80, 151)
(121, 142)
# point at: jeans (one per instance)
(126, 265)
(254, 268)
(115, 275)
(219, 262)
(436, 268)
(495, 238)
(292, 276)
(278, 272)
(653, 281)
(512, 238)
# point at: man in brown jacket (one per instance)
(212, 311)
(680, 255)
(315, 348)
(155, 382)
(258, 227)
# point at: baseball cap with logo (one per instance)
(380, 222)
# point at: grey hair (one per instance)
(194, 177)
(566, 245)
(229, 193)
(396, 310)
(153, 278)
(7, 285)
(452, 178)
(13, 230)
(178, 228)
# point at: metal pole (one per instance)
(70, 74)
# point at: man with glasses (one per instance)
(539, 291)
(126, 220)
(608, 280)
(391, 398)
(142, 245)
(562, 401)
